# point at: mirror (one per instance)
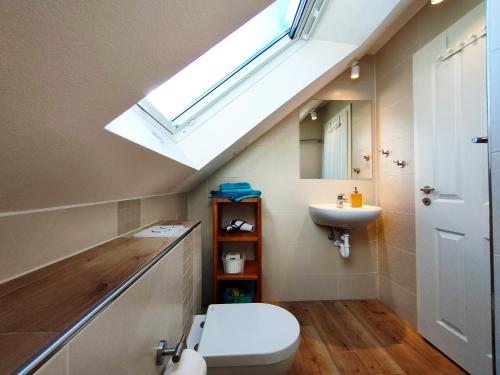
(336, 139)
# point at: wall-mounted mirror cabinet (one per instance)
(336, 139)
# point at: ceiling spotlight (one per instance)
(355, 69)
(314, 115)
(434, 2)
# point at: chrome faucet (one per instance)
(341, 200)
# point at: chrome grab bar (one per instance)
(162, 351)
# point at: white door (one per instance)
(336, 147)
(453, 258)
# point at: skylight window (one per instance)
(178, 100)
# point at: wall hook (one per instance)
(365, 156)
(385, 152)
(357, 170)
(400, 163)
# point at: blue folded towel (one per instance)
(236, 191)
(236, 196)
(256, 194)
(220, 194)
(235, 185)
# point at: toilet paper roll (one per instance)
(191, 363)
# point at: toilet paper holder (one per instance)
(162, 351)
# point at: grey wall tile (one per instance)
(398, 265)
(396, 193)
(399, 299)
(357, 286)
(397, 230)
(29, 241)
(129, 215)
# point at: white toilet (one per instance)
(248, 338)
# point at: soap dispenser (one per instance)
(356, 198)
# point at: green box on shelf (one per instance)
(241, 293)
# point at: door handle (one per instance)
(479, 140)
(427, 189)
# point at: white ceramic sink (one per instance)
(346, 217)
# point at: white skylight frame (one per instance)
(221, 88)
(264, 97)
(188, 117)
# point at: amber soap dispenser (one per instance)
(356, 198)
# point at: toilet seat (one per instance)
(248, 334)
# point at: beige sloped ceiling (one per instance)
(69, 67)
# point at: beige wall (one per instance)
(68, 68)
(396, 229)
(63, 67)
(299, 262)
(29, 240)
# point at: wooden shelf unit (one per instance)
(253, 268)
(237, 237)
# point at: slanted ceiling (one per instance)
(69, 67)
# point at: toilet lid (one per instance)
(248, 334)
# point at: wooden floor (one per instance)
(361, 337)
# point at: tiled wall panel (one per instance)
(29, 240)
(395, 186)
(299, 261)
(122, 338)
(129, 215)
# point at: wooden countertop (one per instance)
(41, 308)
